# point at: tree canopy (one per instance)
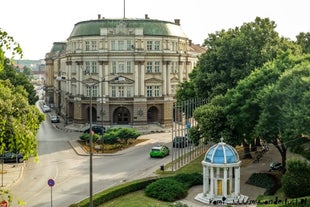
(19, 121)
(232, 55)
(271, 104)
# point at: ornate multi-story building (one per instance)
(119, 71)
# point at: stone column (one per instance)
(237, 181)
(212, 182)
(225, 182)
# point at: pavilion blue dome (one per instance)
(221, 153)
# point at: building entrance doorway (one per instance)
(152, 115)
(94, 115)
(121, 115)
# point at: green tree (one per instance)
(285, 114)
(233, 54)
(303, 39)
(19, 79)
(19, 121)
(27, 71)
(7, 43)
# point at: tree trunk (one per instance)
(246, 150)
(282, 149)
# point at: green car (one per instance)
(159, 151)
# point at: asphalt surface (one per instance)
(12, 173)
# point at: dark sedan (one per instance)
(11, 157)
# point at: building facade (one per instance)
(119, 71)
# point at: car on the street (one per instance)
(275, 166)
(159, 151)
(46, 109)
(97, 129)
(180, 142)
(55, 119)
(8, 157)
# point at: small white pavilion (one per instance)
(221, 176)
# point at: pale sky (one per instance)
(36, 24)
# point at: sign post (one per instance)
(51, 183)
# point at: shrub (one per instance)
(265, 180)
(189, 179)
(166, 189)
(85, 137)
(114, 134)
(296, 180)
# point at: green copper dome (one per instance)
(150, 27)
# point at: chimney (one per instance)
(177, 21)
(99, 16)
(146, 16)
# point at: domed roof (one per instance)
(221, 153)
(150, 27)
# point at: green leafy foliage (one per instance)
(166, 189)
(264, 180)
(85, 137)
(113, 135)
(173, 188)
(296, 181)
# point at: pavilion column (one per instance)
(205, 180)
(225, 182)
(212, 181)
(230, 179)
(237, 181)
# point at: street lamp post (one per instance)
(91, 149)
(119, 79)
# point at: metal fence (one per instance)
(183, 149)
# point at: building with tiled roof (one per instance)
(128, 69)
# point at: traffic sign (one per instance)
(51, 182)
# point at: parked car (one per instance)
(275, 166)
(159, 151)
(180, 142)
(46, 109)
(96, 129)
(55, 119)
(11, 157)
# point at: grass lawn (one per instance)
(135, 199)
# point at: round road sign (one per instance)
(51, 182)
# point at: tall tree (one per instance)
(233, 54)
(19, 79)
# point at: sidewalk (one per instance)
(10, 174)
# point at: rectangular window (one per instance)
(157, 45)
(149, 91)
(87, 67)
(93, 45)
(121, 67)
(121, 45)
(113, 45)
(93, 90)
(149, 45)
(129, 70)
(149, 66)
(152, 91)
(113, 91)
(157, 67)
(87, 45)
(121, 91)
(129, 45)
(156, 91)
(93, 67)
(113, 67)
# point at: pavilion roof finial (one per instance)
(222, 139)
